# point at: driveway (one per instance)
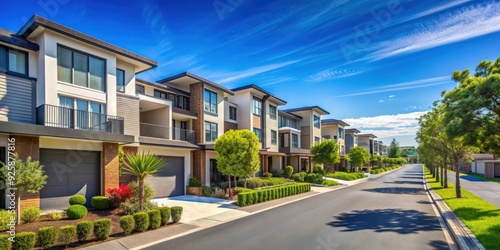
(487, 190)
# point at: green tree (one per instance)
(238, 153)
(393, 151)
(326, 152)
(473, 107)
(142, 165)
(29, 178)
(358, 156)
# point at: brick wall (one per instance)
(28, 146)
(110, 164)
(126, 178)
(196, 106)
(199, 165)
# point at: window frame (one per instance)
(210, 101)
(258, 132)
(295, 144)
(140, 87)
(117, 89)
(317, 139)
(7, 61)
(274, 137)
(272, 115)
(256, 109)
(316, 121)
(235, 113)
(88, 55)
(211, 139)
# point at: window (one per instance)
(287, 122)
(181, 102)
(159, 94)
(317, 122)
(342, 149)
(272, 112)
(316, 139)
(341, 133)
(80, 69)
(355, 140)
(210, 131)
(257, 107)
(274, 137)
(232, 113)
(258, 132)
(88, 115)
(139, 89)
(120, 80)
(210, 98)
(295, 141)
(12, 60)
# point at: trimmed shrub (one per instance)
(24, 240)
(5, 219)
(100, 202)
(75, 212)
(127, 223)
(193, 182)
(119, 195)
(165, 215)
(154, 218)
(83, 230)
(47, 237)
(267, 175)
(299, 177)
(67, 234)
(141, 220)
(30, 214)
(319, 170)
(55, 215)
(288, 171)
(77, 200)
(102, 229)
(176, 213)
(256, 196)
(314, 178)
(5, 243)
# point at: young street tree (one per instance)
(238, 153)
(326, 152)
(393, 151)
(358, 156)
(30, 178)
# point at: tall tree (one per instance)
(238, 153)
(358, 156)
(393, 151)
(326, 152)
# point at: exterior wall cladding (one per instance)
(199, 162)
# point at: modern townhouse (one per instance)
(367, 141)
(299, 129)
(256, 109)
(351, 138)
(61, 101)
(334, 129)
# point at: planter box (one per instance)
(198, 191)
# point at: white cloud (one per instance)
(339, 72)
(387, 125)
(380, 101)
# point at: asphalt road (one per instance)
(391, 212)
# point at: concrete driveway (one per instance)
(195, 207)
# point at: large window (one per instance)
(274, 137)
(210, 131)
(120, 80)
(159, 94)
(355, 139)
(257, 107)
(210, 100)
(258, 132)
(232, 113)
(13, 61)
(295, 141)
(284, 121)
(341, 133)
(181, 102)
(317, 121)
(88, 115)
(140, 89)
(272, 112)
(80, 69)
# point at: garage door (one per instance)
(69, 172)
(169, 181)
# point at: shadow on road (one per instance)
(439, 245)
(405, 182)
(472, 178)
(413, 171)
(387, 220)
(409, 177)
(396, 190)
(424, 202)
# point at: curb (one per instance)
(462, 235)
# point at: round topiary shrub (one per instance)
(77, 200)
(127, 223)
(176, 213)
(154, 218)
(30, 214)
(47, 237)
(141, 220)
(67, 234)
(102, 229)
(84, 229)
(75, 212)
(165, 215)
(100, 202)
(24, 240)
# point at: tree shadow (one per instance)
(439, 245)
(409, 177)
(387, 220)
(472, 178)
(424, 202)
(405, 182)
(413, 171)
(397, 190)
(489, 237)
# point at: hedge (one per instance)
(258, 196)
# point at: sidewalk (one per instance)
(486, 190)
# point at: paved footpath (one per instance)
(487, 190)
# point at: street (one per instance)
(391, 212)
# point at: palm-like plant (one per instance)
(142, 165)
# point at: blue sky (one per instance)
(376, 64)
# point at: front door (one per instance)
(303, 164)
(215, 175)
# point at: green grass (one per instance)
(330, 183)
(482, 217)
(346, 176)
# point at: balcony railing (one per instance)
(61, 117)
(158, 131)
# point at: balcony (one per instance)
(164, 132)
(293, 150)
(61, 117)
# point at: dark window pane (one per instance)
(96, 73)
(3, 58)
(120, 80)
(64, 65)
(80, 63)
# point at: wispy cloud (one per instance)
(233, 76)
(399, 86)
(339, 72)
(387, 125)
(380, 101)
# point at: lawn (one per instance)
(330, 183)
(346, 176)
(482, 217)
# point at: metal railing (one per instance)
(61, 117)
(159, 131)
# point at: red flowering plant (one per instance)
(119, 195)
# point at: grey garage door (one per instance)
(69, 172)
(169, 181)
